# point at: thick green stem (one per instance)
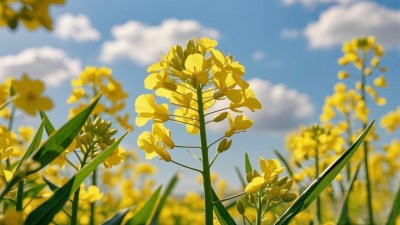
(20, 196)
(75, 207)
(319, 217)
(365, 145)
(208, 197)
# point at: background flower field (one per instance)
(140, 115)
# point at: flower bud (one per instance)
(240, 208)
(288, 184)
(289, 197)
(220, 117)
(283, 180)
(249, 177)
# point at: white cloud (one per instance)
(313, 3)
(290, 34)
(343, 22)
(143, 44)
(258, 56)
(51, 65)
(77, 28)
(283, 108)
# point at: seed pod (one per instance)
(289, 197)
(220, 117)
(240, 208)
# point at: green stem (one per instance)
(365, 144)
(20, 196)
(259, 211)
(208, 197)
(319, 217)
(75, 207)
(10, 125)
(92, 205)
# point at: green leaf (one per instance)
(248, 164)
(220, 211)
(344, 216)
(241, 178)
(62, 138)
(171, 185)
(287, 165)
(46, 211)
(34, 145)
(47, 124)
(32, 192)
(50, 184)
(143, 215)
(117, 218)
(323, 180)
(395, 211)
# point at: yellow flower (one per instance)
(270, 168)
(155, 143)
(91, 195)
(26, 132)
(115, 158)
(12, 217)
(380, 82)
(29, 96)
(196, 67)
(241, 123)
(147, 109)
(255, 184)
(5, 148)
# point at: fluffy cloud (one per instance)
(142, 43)
(77, 28)
(258, 56)
(342, 22)
(283, 108)
(313, 3)
(290, 34)
(51, 65)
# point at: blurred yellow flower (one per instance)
(28, 95)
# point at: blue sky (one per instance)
(289, 49)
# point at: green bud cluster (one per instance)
(96, 135)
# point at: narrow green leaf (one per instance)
(241, 178)
(171, 185)
(50, 184)
(395, 211)
(344, 216)
(220, 211)
(287, 165)
(248, 164)
(7, 102)
(117, 218)
(44, 214)
(143, 215)
(34, 145)
(62, 138)
(47, 124)
(323, 180)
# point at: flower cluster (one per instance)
(91, 82)
(193, 79)
(33, 14)
(265, 191)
